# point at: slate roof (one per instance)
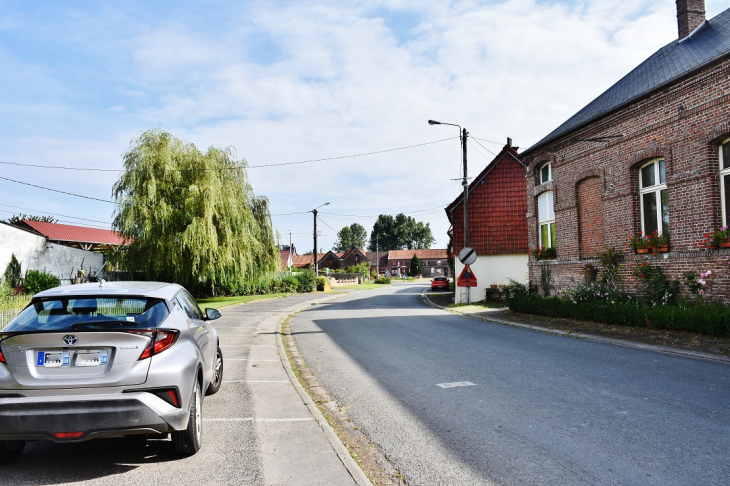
(67, 233)
(708, 43)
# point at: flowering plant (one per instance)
(642, 269)
(590, 272)
(715, 238)
(697, 284)
(638, 241)
(651, 241)
(656, 240)
(542, 253)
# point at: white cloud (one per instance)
(290, 81)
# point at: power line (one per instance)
(326, 159)
(57, 190)
(482, 146)
(485, 140)
(477, 150)
(52, 214)
(325, 223)
(375, 216)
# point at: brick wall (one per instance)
(497, 208)
(684, 124)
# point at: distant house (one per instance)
(287, 255)
(497, 224)
(342, 260)
(378, 262)
(90, 239)
(434, 263)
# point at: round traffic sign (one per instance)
(467, 256)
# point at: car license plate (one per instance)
(90, 358)
(56, 359)
(49, 359)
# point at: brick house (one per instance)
(434, 263)
(497, 224)
(342, 260)
(376, 266)
(652, 153)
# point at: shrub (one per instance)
(305, 281)
(36, 281)
(610, 258)
(322, 284)
(712, 319)
(382, 280)
(11, 277)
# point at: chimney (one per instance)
(690, 14)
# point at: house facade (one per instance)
(342, 260)
(434, 263)
(497, 224)
(651, 154)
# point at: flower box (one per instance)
(642, 251)
(663, 248)
(726, 244)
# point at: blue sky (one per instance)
(287, 81)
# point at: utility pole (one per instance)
(314, 254)
(377, 256)
(290, 254)
(462, 135)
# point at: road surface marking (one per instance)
(455, 384)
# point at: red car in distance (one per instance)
(440, 283)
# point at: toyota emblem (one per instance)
(70, 339)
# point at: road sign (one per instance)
(467, 278)
(467, 256)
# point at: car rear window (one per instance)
(77, 313)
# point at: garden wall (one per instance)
(35, 252)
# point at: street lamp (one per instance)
(314, 255)
(465, 182)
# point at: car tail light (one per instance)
(161, 339)
(67, 435)
(2, 358)
(169, 395)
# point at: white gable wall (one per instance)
(492, 270)
(36, 253)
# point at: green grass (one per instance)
(226, 301)
(364, 286)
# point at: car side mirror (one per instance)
(212, 314)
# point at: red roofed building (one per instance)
(434, 263)
(497, 224)
(92, 239)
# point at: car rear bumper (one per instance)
(21, 419)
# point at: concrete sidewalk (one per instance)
(297, 444)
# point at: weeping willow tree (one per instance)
(192, 217)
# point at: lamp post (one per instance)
(465, 182)
(314, 254)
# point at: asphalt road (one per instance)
(543, 409)
(231, 451)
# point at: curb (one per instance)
(590, 337)
(350, 464)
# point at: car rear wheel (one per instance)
(215, 383)
(10, 450)
(187, 442)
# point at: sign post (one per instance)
(467, 279)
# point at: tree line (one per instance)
(398, 232)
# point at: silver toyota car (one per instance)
(107, 360)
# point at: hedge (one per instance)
(712, 319)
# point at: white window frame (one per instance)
(549, 165)
(546, 218)
(656, 189)
(724, 173)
